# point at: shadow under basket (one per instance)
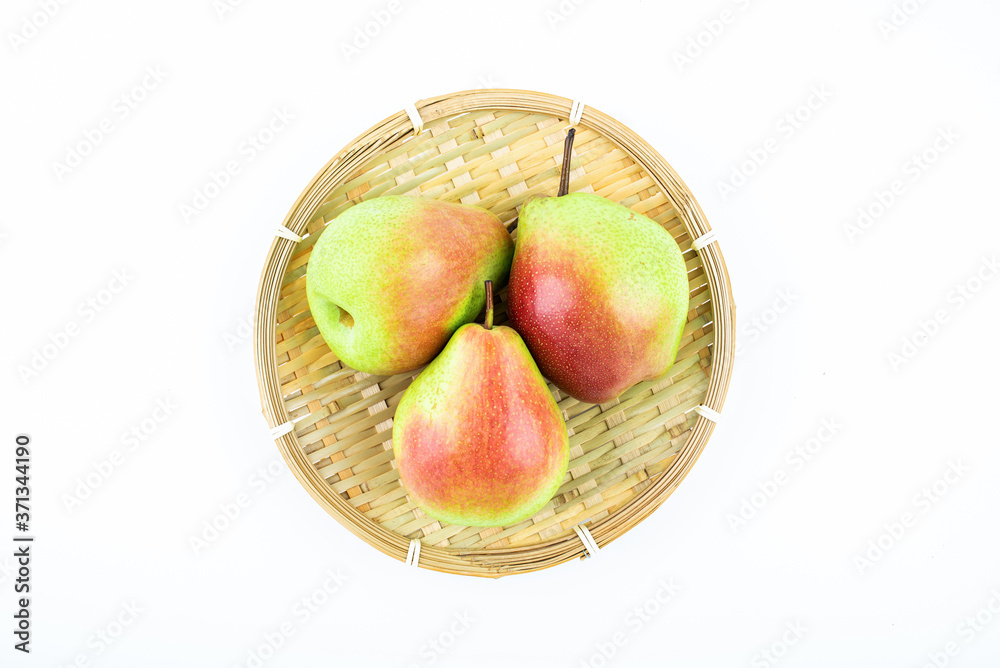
(333, 424)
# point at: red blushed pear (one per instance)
(392, 278)
(478, 438)
(598, 291)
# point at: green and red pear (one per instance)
(599, 293)
(392, 278)
(478, 438)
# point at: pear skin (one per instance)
(599, 293)
(392, 278)
(478, 438)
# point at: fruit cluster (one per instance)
(598, 292)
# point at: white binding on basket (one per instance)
(576, 112)
(281, 430)
(418, 123)
(708, 413)
(286, 233)
(588, 541)
(704, 240)
(413, 555)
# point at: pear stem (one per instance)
(489, 305)
(567, 158)
(563, 176)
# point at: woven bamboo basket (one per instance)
(333, 425)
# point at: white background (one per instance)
(177, 331)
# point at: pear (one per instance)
(392, 278)
(478, 438)
(599, 293)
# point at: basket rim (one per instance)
(491, 562)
